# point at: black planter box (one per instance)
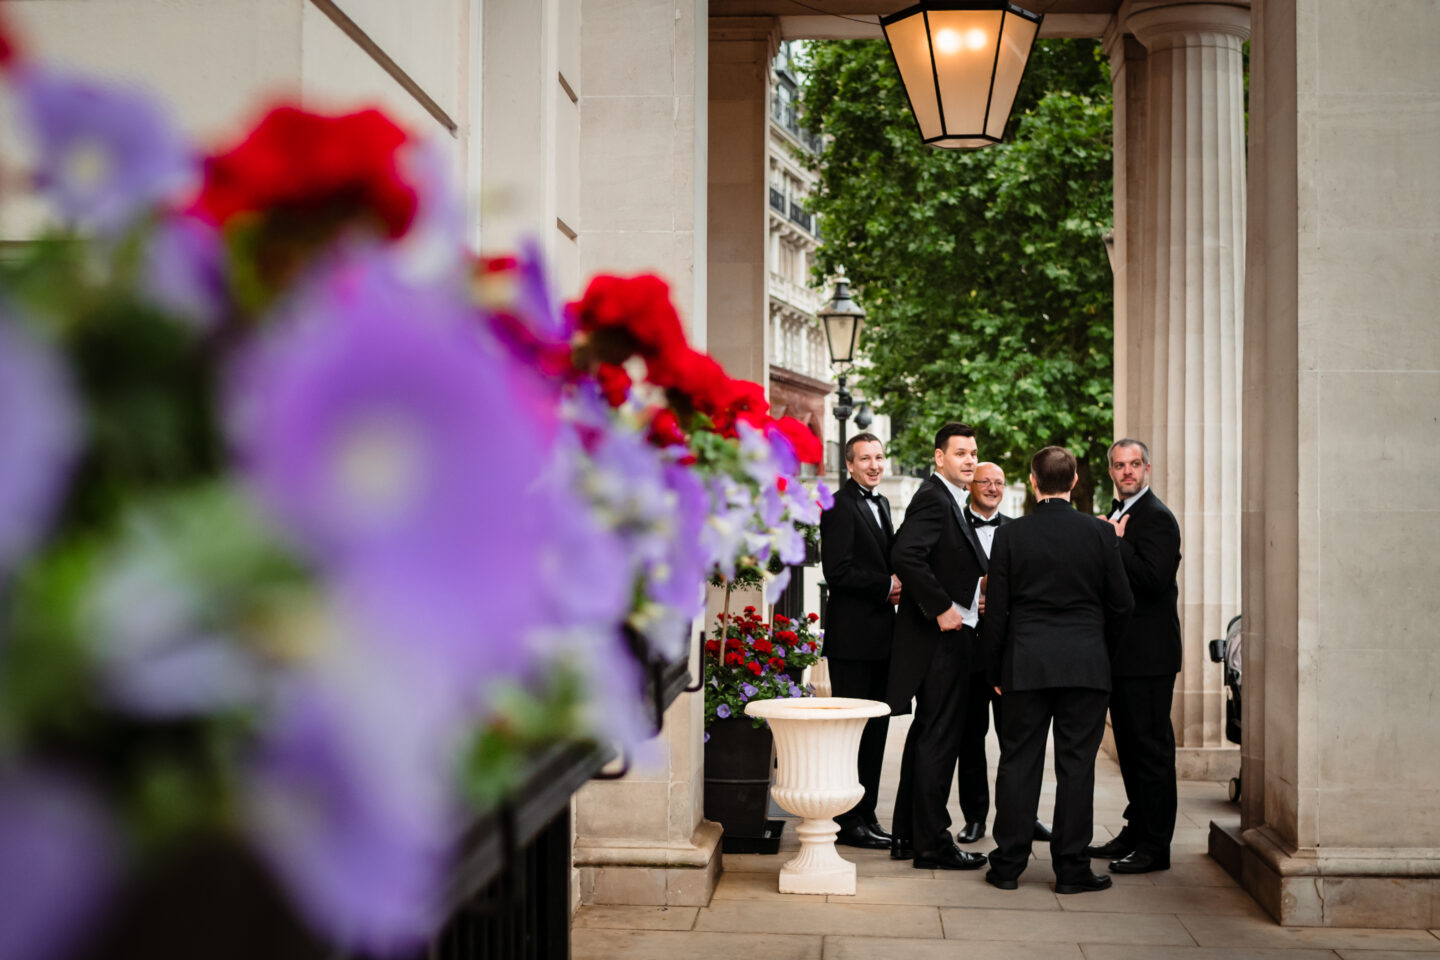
(738, 761)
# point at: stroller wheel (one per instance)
(1234, 789)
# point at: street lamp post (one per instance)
(842, 318)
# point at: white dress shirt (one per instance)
(872, 503)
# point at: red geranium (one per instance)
(304, 162)
(712, 647)
(665, 429)
(776, 663)
(763, 646)
(8, 52)
(734, 659)
(812, 617)
(808, 448)
(614, 383)
(637, 306)
(754, 668)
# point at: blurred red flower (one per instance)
(299, 161)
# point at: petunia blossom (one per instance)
(394, 449)
(106, 153)
(39, 435)
(59, 863)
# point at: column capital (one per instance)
(1160, 24)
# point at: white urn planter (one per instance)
(817, 741)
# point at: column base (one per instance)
(1218, 764)
(644, 873)
(1350, 888)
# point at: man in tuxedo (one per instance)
(1145, 666)
(855, 539)
(983, 514)
(939, 559)
(1057, 600)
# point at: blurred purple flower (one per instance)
(789, 544)
(803, 508)
(824, 494)
(39, 434)
(59, 861)
(434, 248)
(780, 652)
(349, 797)
(184, 270)
(782, 452)
(796, 691)
(397, 451)
(723, 711)
(747, 691)
(106, 153)
(534, 300)
(772, 506)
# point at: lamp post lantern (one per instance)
(843, 319)
(961, 62)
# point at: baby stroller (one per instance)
(1227, 651)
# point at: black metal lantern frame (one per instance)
(961, 62)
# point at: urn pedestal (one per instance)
(817, 740)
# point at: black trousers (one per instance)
(865, 679)
(927, 767)
(974, 777)
(1078, 717)
(1145, 748)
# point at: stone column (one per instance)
(1342, 383)
(641, 165)
(1183, 324)
(741, 49)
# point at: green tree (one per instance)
(983, 272)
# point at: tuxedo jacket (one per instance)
(1150, 550)
(939, 562)
(855, 556)
(1057, 601)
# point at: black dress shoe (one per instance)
(951, 858)
(858, 835)
(999, 882)
(1085, 884)
(1121, 846)
(1042, 832)
(901, 849)
(875, 830)
(974, 830)
(1139, 862)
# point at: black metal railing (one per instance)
(777, 200)
(801, 218)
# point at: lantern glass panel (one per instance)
(910, 44)
(964, 42)
(1015, 43)
(840, 329)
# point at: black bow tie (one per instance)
(868, 495)
(977, 522)
(1116, 506)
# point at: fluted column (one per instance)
(1186, 328)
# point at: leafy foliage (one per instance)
(983, 272)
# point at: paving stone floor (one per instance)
(1193, 911)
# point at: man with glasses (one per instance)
(982, 512)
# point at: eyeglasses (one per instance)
(989, 483)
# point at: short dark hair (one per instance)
(1054, 470)
(952, 429)
(1127, 442)
(861, 438)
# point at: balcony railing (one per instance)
(786, 115)
(806, 221)
(777, 200)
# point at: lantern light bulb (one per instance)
(947, 41)
(977, 39)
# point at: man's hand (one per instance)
(1119, 525)
(998, 693)
(984, 581)
(950, 619)
(894, 589)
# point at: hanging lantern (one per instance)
(961, 62)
